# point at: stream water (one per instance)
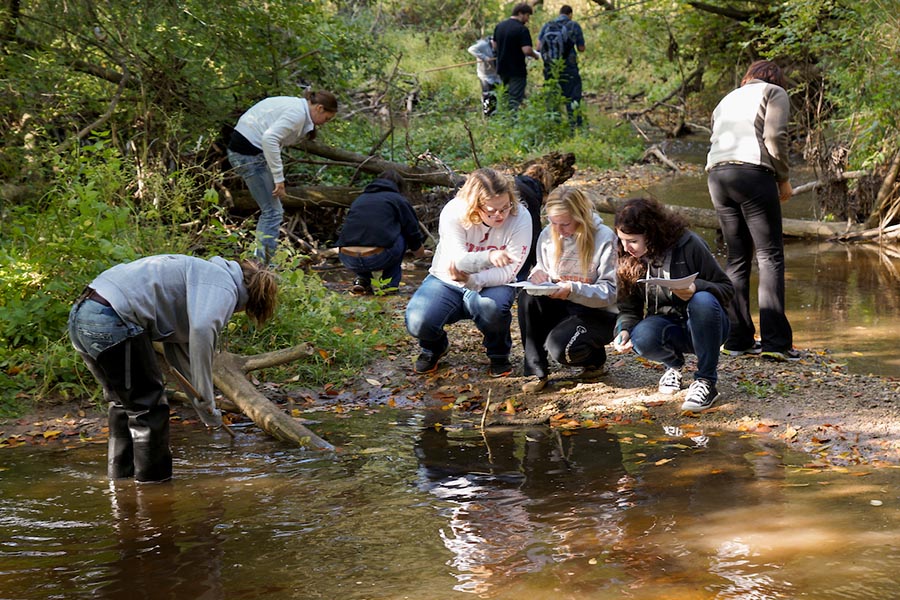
(843, 299)
(412, 509)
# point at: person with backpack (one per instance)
(559, 42)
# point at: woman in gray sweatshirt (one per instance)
(182, 302)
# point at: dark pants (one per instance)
(389, 262)
(515, 91)
(572, 334)
(125, 364)
(569, 82)
(749, 211)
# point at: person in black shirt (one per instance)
(512, 41)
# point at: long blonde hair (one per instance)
(482, 185)
(262, 291)
(567, 200)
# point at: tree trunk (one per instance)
(230, 376)
(375, 165)
(706, 217)
(886, 202)
(300, 197)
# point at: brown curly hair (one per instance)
(262, 291)
(661, 228)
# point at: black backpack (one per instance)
(554, 40)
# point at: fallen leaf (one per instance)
(374, 382)
(663, 461)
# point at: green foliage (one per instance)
(765, 389)
(52, 247)
(342, 330)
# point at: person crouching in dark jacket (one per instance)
(661, 321)
(379, 228)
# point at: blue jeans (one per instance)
(666, 338)
(94, 328)
(255, 173)
(746, 201)
(436, 304)
(389, 262)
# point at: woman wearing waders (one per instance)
(182, 302)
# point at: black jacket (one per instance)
(531, 192)
(689, 255)
(378, 216)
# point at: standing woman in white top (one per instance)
(748, 180)
(255, 153)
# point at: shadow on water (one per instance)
(413, 509)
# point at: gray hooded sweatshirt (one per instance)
(183, 302)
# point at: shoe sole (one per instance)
(697, 409)
(497, 375)
(779, 357)
(751, 352)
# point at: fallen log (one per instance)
(706, 218)
(230, 376)
(304, 197)
(373, 164)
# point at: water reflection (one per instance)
(520, 501)
(411, 510)
(156, 544)
(840, 298)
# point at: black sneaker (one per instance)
(790, 355)
(361, 287)
(755, 349)
(500, 366)
(428, 360)
(700, 396)
(589, 373)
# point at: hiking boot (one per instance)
(592, 372)
(700, 396)
(428, 360)
(755, 349)
(790, 355)
(534, 385)
(670, 382)
(361, 287)
(500, 366)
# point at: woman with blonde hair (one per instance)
(484, 237)
(577, 252)
(182, 302)
(254, 151)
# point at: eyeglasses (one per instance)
(491, 212)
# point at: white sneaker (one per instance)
(670, 382)
(701, 395)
